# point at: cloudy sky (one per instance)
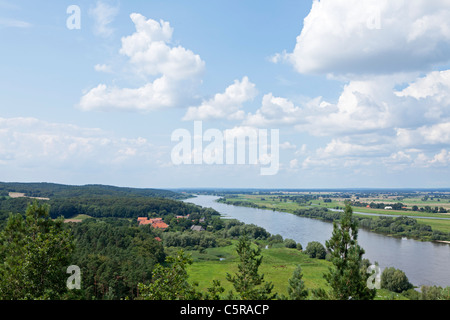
(359, 91)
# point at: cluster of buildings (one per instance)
(156, 223)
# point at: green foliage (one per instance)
(35, 252)
(297, 289)
(114, 256)
(248, 284)
(215, 291)
(52, 190)
(170, 282)
(189, 239)
(235, 229)
(395, 280)
(315, 249)
(347, 279)
(125, 207)
(435, 293)
(289, 243)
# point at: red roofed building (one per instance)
(143, 221)
(159, 225)
(155, 223)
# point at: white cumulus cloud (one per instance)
(226, 105)
(150, 53)
(275, 111)
(372, 37)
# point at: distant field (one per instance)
(22, 195)
(77, 218)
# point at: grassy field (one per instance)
(278, 264)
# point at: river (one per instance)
(425, 263)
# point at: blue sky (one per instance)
(358, 90)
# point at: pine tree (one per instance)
(296, 288)
(247, 282)
(348, 279)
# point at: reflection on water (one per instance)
(424, 263)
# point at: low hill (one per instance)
(53, 190)
(93, 200)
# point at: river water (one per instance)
(425, 263)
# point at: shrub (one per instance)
(395, 280)
(289, 243)
(315, 249)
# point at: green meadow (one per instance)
(278, 265)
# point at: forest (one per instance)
(93, 200)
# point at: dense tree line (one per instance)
(190, 239)
(53, 190)
(318, 213)
(399, 206)
(403, 227)
(241, 203)
(124, 207)
(397, 226)
(380, 205)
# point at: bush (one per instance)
(289, 243)
(395, 280)
(315, 249)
